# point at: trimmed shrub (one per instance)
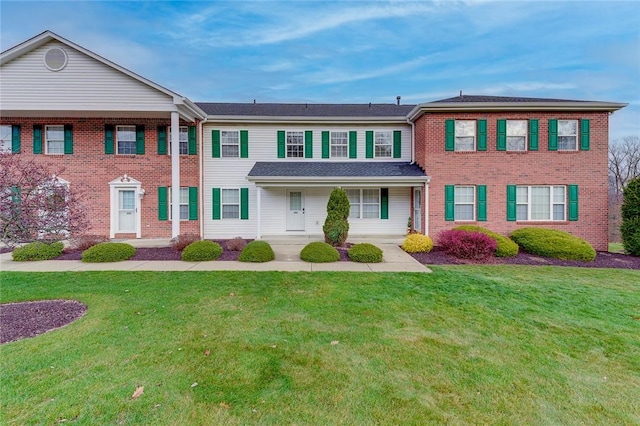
(85, 241)
(336, 225)
(506, 247)
(365, 253)
(630, 230)
(180, 242)
(630, 209)
(236, 244)
(108, 252)
(257, 252)
(37, 250)
(553, 243)
(199, 251)
(417, 243)
(470, 245)
(319, 252)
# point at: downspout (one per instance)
(201, 174)
(413, 139)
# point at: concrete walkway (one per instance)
(286, 249)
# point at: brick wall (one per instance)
(497, 169)
(90, 168)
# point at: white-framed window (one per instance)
(230, 202)
(295, 144)
(417, 209)
(126, 139)
(54, 212)
(230, 143)
(183, 138)
(567, 135)
(517, 135)
(54, 140)
(465, 135)
(464, 203)
(365, 203)
(541, 203)
(184, 203)
(5, 139)
(339, 144)
(383, 144)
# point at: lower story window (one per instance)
(465, 201)
(230, 203)
(365, 203)
(184, 204)
(541, 203)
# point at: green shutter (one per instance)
(482, 135)
(162, 203)
(397, 144)
(244, 203)
(16, 194)
(449, 203)
(553, 135)
(573, 202)
(450, 135)
(193, 140)
(369, 144)
(308, 144)
(140, 140)
(511, 203)
(37, 139)
(15, 139)
(533, 135)
(325, 144)
(384, 203)
(193, 203)
(244, 144)
(162, 140)
(216, 204)
(481, 195)
(584, 135)
(108, 139)
(353, 144)
(215, 143)
(282, 144)
(501, 144)
(68, 139)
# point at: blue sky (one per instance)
(357, 51)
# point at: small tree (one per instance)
(630, 228)
(35, 204)
(336, 225)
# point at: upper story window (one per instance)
(465, 201)
(339, 144)
(183, 139)
(54, 140)
(383, 144)
(295, 144)
(567, 135)
(230, 143)
(516, 135)
(465, 135)
(541, 203)
(5, 139)
(126, 139)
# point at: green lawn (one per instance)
(466, 344)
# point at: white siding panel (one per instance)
(84, 84)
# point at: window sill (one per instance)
(542, 222)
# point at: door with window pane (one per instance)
(295, 210)
(126, 210)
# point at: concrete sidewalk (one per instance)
(286, 249)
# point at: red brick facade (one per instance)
(92, 169)
(497, 169)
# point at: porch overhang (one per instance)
(332, 174)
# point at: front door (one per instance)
(126, 211)
(295, 210)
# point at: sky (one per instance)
(358, 51)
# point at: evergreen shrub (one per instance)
(417, 243)
(257, 251)
(365, 253)
(201, 251)
(37, 250)
(108, 252)
(319, 252)
(553, 243)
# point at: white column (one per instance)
(426, 209)
(258, 213)
(175, 174)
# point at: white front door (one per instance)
(126, 211)
(295, 210)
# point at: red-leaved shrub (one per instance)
(236, 244)
(183, 240)
(467, 244)
(85, 241)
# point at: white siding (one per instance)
(232, 173)
(84, 84)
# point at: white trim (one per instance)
(258, 213)
(124, 183)
(175, 173)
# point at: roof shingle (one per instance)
(304, 110)
(335, 169)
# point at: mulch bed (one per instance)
(29, 319)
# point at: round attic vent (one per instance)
(55, 59)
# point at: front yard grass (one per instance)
(466, 344)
